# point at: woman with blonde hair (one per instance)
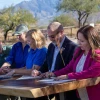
(37, 52)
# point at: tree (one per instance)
(11, 18)
(82, 7)
(65, 20)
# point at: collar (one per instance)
(61, 43)
(33, 51)
(20, 44)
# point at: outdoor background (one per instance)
(39, 13)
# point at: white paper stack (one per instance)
(24, 77)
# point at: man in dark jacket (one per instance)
(60, 52)
(63, 56)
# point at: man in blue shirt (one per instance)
(17, 56)
(36, 55)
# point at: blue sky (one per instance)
(7, 3)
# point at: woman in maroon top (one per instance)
(85, 62)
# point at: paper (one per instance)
(46, 80)
(53, 81)
(28, 77)
(4, 77)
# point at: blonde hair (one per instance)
(38, 36)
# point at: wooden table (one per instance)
(33, 89)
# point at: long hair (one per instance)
(38, 36)
(93, 38)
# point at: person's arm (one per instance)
(92, 71)
(67, 69)
(10, 57)
(22, 71)
(19, 71)
(39, 60)
(6, 64)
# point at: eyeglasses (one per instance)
(52, 36)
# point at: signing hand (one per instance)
(35, 73)
(5, 69)
(47, 75)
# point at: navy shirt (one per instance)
(36, 57)
(18, 55)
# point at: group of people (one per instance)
(62, 59)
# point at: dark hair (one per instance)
(92, 36)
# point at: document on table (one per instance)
(53, 81)
(24, 77)
(4, 77)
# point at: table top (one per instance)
(32, 88)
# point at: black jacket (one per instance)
(67, 54)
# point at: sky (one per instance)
(7, 3)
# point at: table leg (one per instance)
(61, 96)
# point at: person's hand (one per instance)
(5, 69)
(62, 77)
(43, 75)
(35, 73)
(47, 75)
(11, 73)
(50, 74)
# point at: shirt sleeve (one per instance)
(10, 57)
(67, 69)
(91, 72)
(41, 57)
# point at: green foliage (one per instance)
(83, 8)
(66, 20)
(9, 19)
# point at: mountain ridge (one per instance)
(45, 10)
(39, 8)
